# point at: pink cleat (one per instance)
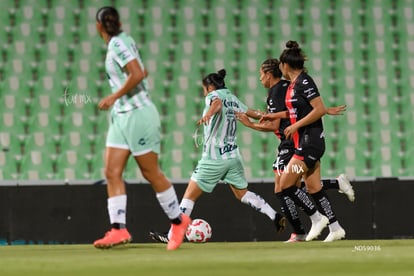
(296, 238)
(112, 238)
(178, 232)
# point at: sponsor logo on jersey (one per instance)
(283, 151)
(227, 148)
(230, 104)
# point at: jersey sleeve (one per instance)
(123, 54)
(211, 97)
(310, 90)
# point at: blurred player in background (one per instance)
(134, 129)
(221, 160)
(271, 78)
(306, 109)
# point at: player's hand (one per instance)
(243, 118)
(205, 120)
(290, 130)
(106, 102)
(267, 117)
(336, 110)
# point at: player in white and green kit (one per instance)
(134, 129)
(221, 160)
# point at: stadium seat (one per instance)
(37, 165)
(73, 164)
(360, 54)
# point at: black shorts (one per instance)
(311, 146)
(286, 150)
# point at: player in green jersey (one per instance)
(221, 160)
(134, 129)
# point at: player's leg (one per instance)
(191, 194)
(290, 211)
(166, 196)
(259, 204)
(341, 184)
(238, 184)
(115, 161)
(288, 206)
(143, 136)
(288, 181)
(204, 178)
(312, 179)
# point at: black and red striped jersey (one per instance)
(298, 97)
(276, 103)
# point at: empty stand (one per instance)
(361, 53)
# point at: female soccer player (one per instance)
(134, 129)
(306, 109)
(221, 159)
(271, 78)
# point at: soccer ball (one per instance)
(198, 231)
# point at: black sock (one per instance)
(324, 206)
(303, 186)
(118, 225)
(289, 210)
(326, 184)
(301, 199)
(176, 220)
(330, 184)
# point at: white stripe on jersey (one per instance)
(121, 50)
(220, 133)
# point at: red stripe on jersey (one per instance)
(292, 113)
(277, 133)
(301, 158)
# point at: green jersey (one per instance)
(220, 133)
(121, 50)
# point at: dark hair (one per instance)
(109, 17)
(293, 55)
(216, 79)
(272, 65)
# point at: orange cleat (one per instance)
(178, 232)
(112, 238)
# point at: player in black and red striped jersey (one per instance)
(306, 109)
(271, 77)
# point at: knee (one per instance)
(152, 175)
(113, 173)
(239, 194)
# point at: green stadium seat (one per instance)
(37, 165)
(8, 166)
(73, 164)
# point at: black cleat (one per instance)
(159, 237)
(280, 222)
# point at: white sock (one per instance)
(117, 209)
(186, 206)
(259, 204)
(315, 217)
(169, 203)
(334, 226)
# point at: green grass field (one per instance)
(355, 257)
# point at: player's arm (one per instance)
(215, 107)
(135, 75)
(274, 116)
(266, 126)
(336, 110)
(317, 112)
(255, 114)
